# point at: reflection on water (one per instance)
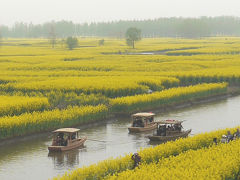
(30, 159)
(66, 159)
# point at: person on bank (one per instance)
(137, 159)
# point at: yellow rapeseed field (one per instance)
(39, 87)
(217, 162)
(31, 68)
(14, 105)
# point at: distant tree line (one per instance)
(162, 27)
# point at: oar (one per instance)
(98, 140)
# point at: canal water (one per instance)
(29, 159)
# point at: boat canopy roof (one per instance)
(143, 114)
(169, 121)
(66, 130)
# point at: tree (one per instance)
(52, 36)
(0, 38)
(72, 42)
(62, 42)
(132, 35)
(101, 42)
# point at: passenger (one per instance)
(164, 130)
(73, 136)
(134, 123)
(151, 119)
(177, 127)
(168, 127)
(140, 123)
(137, 159)
(58, 140)
(66, 141)
(159, 130)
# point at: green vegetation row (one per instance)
(150, 155)
(166, 97)
(73, 113)
(191, 78)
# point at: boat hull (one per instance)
(170, 137)
(76, 144)
(142, 129)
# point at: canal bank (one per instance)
(230, 91)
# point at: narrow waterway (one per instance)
(29, 159)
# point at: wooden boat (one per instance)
(66, 139)
(142, 122)
(169, 130)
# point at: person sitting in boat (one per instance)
(64, 142)
(159, 131)
(168, 127)
(177, 127)
(162, 130)
(134, 123)
(140, 123)
(73, 136)
(67, 140)
(60, 139)
(164, 133)
(151, 119)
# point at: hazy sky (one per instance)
(38, 11)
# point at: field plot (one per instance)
(38, 82)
